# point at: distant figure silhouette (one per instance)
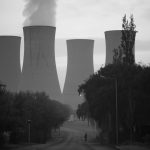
(85, 137)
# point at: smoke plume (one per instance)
(40, 12)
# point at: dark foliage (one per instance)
(124, 53)
(133, 84)
(82, 111)
(45, 114)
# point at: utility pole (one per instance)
(29, 131)
(116, 87)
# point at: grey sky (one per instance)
(84, 19)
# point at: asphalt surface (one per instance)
(70, 137)
(74, 138)
(73, 141)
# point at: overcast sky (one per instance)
(85, 19)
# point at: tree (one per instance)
(82, 111)
(17, 108)
(133, 99)
(124, 53)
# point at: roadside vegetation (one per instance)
(117, 96)
(18, 111)
(133, 101)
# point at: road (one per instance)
(74, 137)
(74, 140)
(71, 138)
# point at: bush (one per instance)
(44, 113)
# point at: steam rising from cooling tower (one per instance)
(40, 12)
(39, 72)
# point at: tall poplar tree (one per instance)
(124, 53)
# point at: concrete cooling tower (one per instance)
(79, 68)
(10, 70)
(113, 40)
(39, 72)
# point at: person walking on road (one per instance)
(85, 137)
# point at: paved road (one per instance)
(72, 138)
(73, 141)
(75, 138)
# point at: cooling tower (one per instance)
(39, 72)
(113, 40)
(79, 68)
(10, 61)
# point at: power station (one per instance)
(113, 40)
(79, 68)
(10, 62)
(39, 72)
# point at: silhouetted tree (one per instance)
(17, 108)
(124, 53)
(133, 99)
(82, 111)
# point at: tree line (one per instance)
(133, 101)
(117, 96)
(17, 110)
